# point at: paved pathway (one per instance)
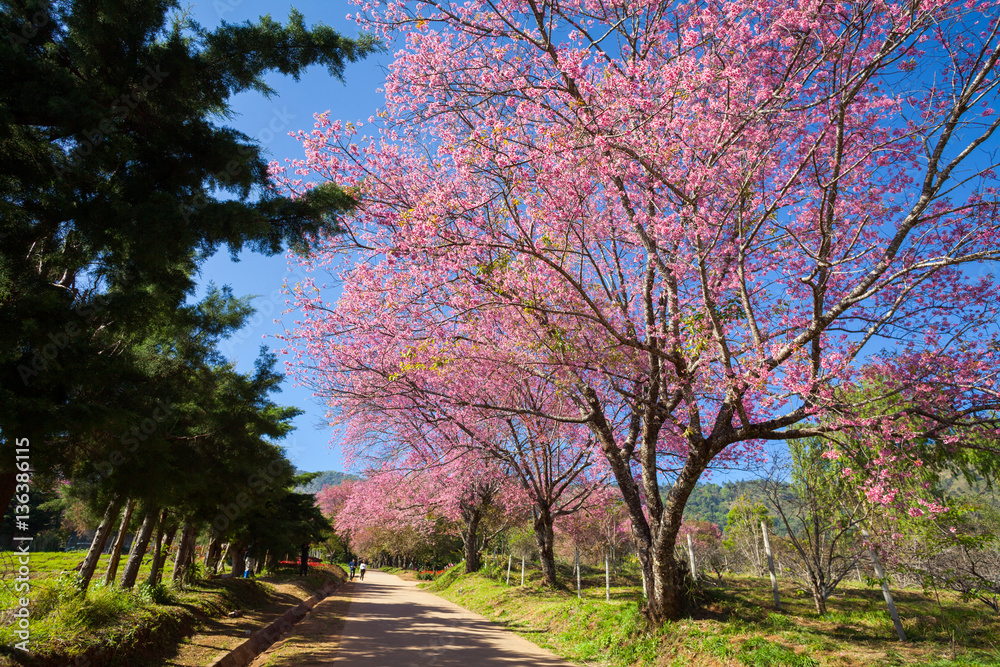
(392, 623)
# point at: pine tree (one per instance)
(117, 178)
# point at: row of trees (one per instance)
(652, 237)
(207, 459)
(118, 179)
(816, 520)
(446, 512)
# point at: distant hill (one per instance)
(326, 478)
(711, 502)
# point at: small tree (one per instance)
(962, 552)
(742, 535)
(821, 512)
(600, 528)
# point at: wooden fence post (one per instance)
(694, 571)
(510, 559)
(880, 574)
(578, 573)
(607, 580)
(770, 565)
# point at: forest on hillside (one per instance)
(712, 502)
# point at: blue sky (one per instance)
(269, 121)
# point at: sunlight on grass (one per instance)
(734, 625)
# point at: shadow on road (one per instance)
(393, 623)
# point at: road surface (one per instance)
(392, 623)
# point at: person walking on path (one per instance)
(351, 567)
(361, 571)
(250, 563)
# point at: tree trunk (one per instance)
(154, 566)
(238, 552)
(161, 560)
(213, 553)
(116, 550)
(667, 597)
(663, 575)
(223, 554)
(770, 565)
(820, 602)
(545, 541)
(654, 532)
(470, 542)
(139, 545)
(185, 555)
(166, 551)
(97, 545)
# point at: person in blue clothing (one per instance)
(351, 566)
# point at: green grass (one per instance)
(66, 625)
(585, 630)
(759, 652)
(734, 625)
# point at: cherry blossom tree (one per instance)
(474, 498)
(397, 412)
(600, 528)
(331, 498)
(386, 512)
(693, 224)
(706, 541)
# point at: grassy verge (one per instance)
(109, 626)
(735, 625)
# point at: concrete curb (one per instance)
(260, 641)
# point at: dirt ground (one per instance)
(218, 636)
(314, 640)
